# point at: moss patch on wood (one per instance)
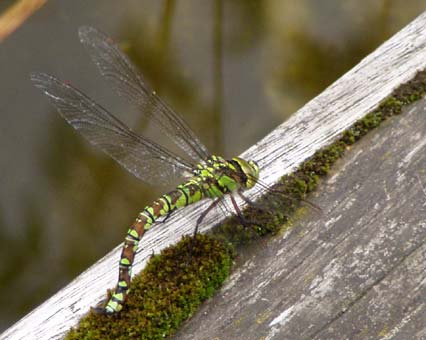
(287, 195)
(175, 282)
(167, 292)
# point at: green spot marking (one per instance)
(124, 261)
(122, 284)
(133, 233)
(118, 296)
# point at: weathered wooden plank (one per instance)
(312, 127)
(357, 272)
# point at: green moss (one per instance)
(166, 293)
(293, 188)
(175, 283)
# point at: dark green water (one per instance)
(234, 69)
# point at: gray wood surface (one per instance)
(317, 124)
(357, 272)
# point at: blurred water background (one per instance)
(235, 69)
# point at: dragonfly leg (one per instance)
(237, 209)
(245, 198)
(251, 202)
(204, 214)
(200, 219)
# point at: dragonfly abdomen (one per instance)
(212, 180)
(182, 196)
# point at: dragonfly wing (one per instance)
(128, 81)
(145, 159)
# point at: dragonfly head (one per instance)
(250, 170)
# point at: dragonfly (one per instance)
(205, 176)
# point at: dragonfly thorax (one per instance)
(219, 176)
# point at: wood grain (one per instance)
(357, 272)
(317, 124)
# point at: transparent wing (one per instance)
(115, 66)
(143, 158)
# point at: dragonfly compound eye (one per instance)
(250, 170)
(254, 175)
